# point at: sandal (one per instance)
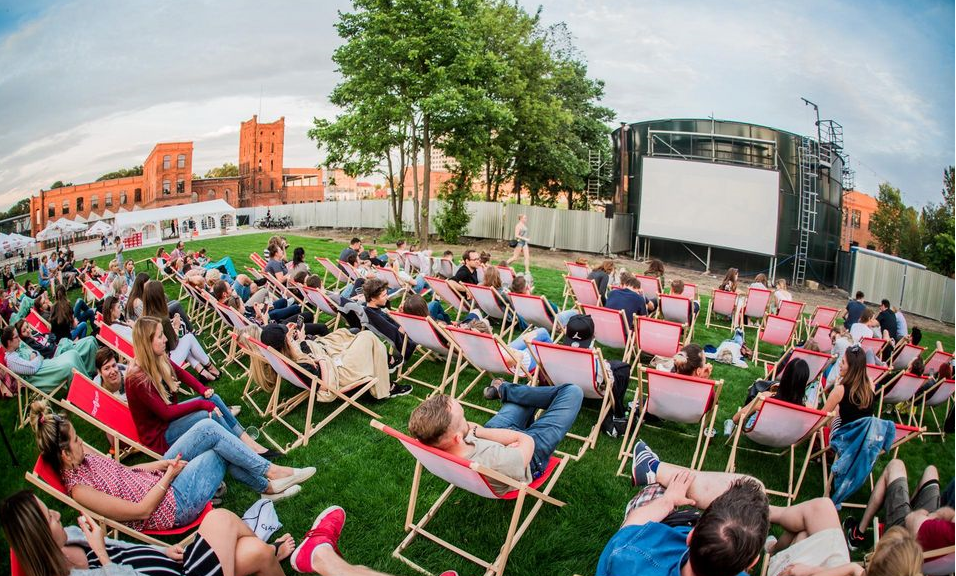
(288, 543)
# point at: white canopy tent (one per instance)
(99, 228)
(157, 224)
(22, 241)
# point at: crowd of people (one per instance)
(702, 523)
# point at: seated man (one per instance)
(629, 298)
(354, 247)
(922, 516)
(727, 539)
(376, 309)
(512, 442)
(110, 374)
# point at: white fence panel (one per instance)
(916, 290)
(923, 293)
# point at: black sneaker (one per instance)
(855, 539)
(399, 390)
(394, 363)
(491, 392)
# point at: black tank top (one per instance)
(850, 411)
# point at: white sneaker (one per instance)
(728, 427)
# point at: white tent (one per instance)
(69, 226)
(93, 217)
(23, 241)
(107, 214)
(99, 228)
(80, 219)
(200, 218)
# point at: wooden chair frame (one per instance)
(429, 341)
(486, 364)
(774, 322)
(718, 304)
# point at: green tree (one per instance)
(452, 218)
(227, 170)
(938, 228)
(60, 184)
(885, 222)
(122, 173)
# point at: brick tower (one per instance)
(260, 162)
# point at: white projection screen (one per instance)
(711, 204)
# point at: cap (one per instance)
(273, 335)
(579, 331)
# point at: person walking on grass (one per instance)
(520, 244)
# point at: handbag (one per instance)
(513, 243)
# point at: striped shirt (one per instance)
(199, 559)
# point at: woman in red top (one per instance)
(152, 391)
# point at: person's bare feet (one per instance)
(284, 546)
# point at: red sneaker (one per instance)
(325, 532)
(449, 573)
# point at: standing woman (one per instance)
(521, 240)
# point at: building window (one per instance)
(94, 202)
(855, 219)
(180, 186)
(271, 165)
(272, 185)
(869, 223)
(225, 194)
(51, 210)
(138, 195)
(122, 197)
(66, 207)
(108, 202)
(166, 162)
(260, 147)
(273, 146)
(166, 187)
(79, 204)
(181, 161)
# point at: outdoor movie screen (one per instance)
(710, 204)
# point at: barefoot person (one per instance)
(520, 243)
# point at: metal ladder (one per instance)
(593, 189)
(807, 220)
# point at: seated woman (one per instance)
(339, 359)
(43, 547)
(791, 388)
(181, 343)
(47, 374)
(853, 397)
(119, 289)
(113, 317)
(114, 272)
(781, 294)
(45, 344)
(152, 389)
(601, 274)
(43, 306)
(134, 300)
(69, 322)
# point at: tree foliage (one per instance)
(122, 173)
(227, 170)
(453, 217)
(885, 222)
(60, 184)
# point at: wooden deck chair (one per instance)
(396, 256)
(941, 393)
(350, 270)
(321, 301)
(47, 480)
(471, 477)
(723, 303)
(776, 331)
(651, 285)
(576, 270)
(690, 291)
(445, 293)
(493, 305)
(507, 274)
(821, 335)
(583, 291)
(95, 404)
(308, 386)
(899, 389)
(281, 290)
(578, 366)
(611, 329)
(258, 259)
(112, 339)
(675, 398)
(680, 310)
(876, 345)
(426, 333)
(784, 427)
(418, 263)
(389, 275)
(486, 353)
(656, 337)
(232, 321)
(446, 268)
(756, 304)
(821, 316)
(876, 373)
(37, 322)
(26, 392)
(535, 310)
(936, 359)
(792, 310)
(340, 277)
(816, 362)
(906, 354)
(92, 292)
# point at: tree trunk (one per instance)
(416, 207)
(402, 163)
(517, 189)
(488, 179)
(426, 185)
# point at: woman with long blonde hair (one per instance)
(152, 391)
(181, 344)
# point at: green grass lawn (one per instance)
(370, 474)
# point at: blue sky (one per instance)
(88, 87)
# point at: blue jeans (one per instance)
(439, 315)
(281, 310)
(180, 426)
(539, 335)
(196, 485)
(563, 317)
(82, 311)
(519, 404)
(79, 331)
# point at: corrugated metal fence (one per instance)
(576, 230)
(914, 289)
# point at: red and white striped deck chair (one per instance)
(322, 303)
(535, 310)
(308, 386)
(92, 291)
(102, 409)
(341, 278)
(756, 304)
(876, 373)
(491, 303)
(259, 260)
(822, 316)
(821, 335)
(583, 290)
(48, 480)
(941, 393)
(776, 331)
(25, 391)
(816, 362)
(446, 268)
(899, 389)
(389, 275)
(427, 334)
(112, 339)
(578, 366)
(781, 426)
(576, 270)
(680, 310)
(611, 329)
(232, 322)
(936, 359)
(471, 477)
(906, 354)
(723, 303)
(480, 273)
(876, 345)
(487, 354)
(792, 310)
(656, 337)
(651, 285)
(690, 291)
(675, 398)
(442, 291)
(37, 322)
(507, 274)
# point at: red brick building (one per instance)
(858, 209)
(167, 181)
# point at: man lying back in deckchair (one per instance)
(512, 442)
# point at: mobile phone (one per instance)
(299, 323)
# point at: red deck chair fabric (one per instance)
(651, 285)
(418, 262)
(942, 393)
(791, 310)
(258, 260)
(534, 309)
(447, 294)
(756, 303)
(120, 345)
(690, 291)
(657, 337)
(37, 322)
(389, 276)
(447, 268)
(876, 373)
(902, 388)
(577, 270)
(330, 268)
(678, 309)
(816, 362)
(610, 328)
(906, 354)
(92, 291)
(350, 270)
(724, 303)
(584, 291)
(823, 316)
(821, 335)
(507, 274)
(874, 344)
(488, 300)
(776, 331)
(486, 353)
(936, 359)
(425, 333)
